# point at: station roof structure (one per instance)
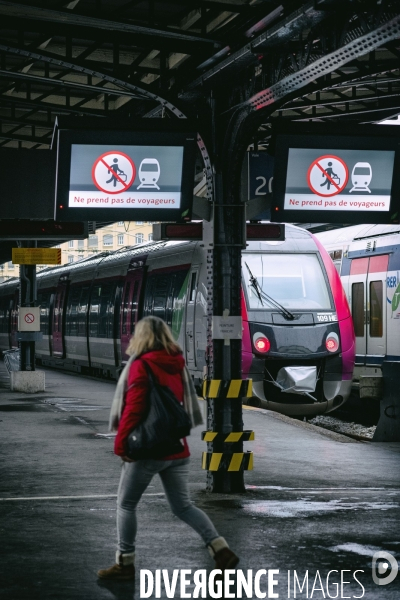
(324, 60)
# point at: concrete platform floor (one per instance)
(316, 501)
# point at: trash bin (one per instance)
(12, 359)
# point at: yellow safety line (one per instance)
(233, 437)
(234, 388)
(250, 389)
(236, 461)
(215, 460)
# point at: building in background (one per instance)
(112, 237)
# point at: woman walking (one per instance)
(153, 346)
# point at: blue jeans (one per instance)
(135, 478)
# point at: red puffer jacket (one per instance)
(167, 368)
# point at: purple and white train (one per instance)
(294, 312)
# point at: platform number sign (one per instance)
(261, 170)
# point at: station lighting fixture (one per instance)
(261, 343)
(332, 342)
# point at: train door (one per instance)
(58, 320)
(376, 304)
(130, 307)
(191, 318)
(367, 288)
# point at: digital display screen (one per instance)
(125, 176)
(325, 175)
(328, 179)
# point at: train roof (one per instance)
(355, 233)
(297, 240)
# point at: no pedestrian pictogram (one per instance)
(113, 172)
(29, 318)
(327, 176)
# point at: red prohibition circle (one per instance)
(29, 318)
(127, 184)
(315, 162)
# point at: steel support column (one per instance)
(27, 297)
(225, 414)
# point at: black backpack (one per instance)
(165, 424)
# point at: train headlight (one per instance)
(261, 343)
(332, 342)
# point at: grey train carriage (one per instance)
(298, 340)
(367, 258)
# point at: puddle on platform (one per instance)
(303, 508)
(356, 549)
(71, 404)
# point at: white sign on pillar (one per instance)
(226, 328)
(29, 318)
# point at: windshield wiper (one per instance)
(261, 294)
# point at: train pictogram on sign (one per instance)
(327, 176)
(113, 172)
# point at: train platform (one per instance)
(318, 505)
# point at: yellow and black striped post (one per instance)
(225, 449)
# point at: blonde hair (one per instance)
(152, 333)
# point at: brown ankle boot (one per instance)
(222, 554)
(123, 570)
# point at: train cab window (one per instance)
(357, 308)
(294, 280)
(376, 313)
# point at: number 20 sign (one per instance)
(260, 174)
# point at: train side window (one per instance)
(106, 310)
(94, 312)
(83, 307)
(43, 301)
(160, 294)
(135, 304)
(376, 312)
(192, 292)
(125, 309)
(102, 310)
(357, 308)
(72, 310)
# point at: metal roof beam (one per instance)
(359, 46)
(305, 17)
(13, 75)
(46, 106)
(45, 141)
(55, 18)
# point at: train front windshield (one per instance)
(296, 281)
